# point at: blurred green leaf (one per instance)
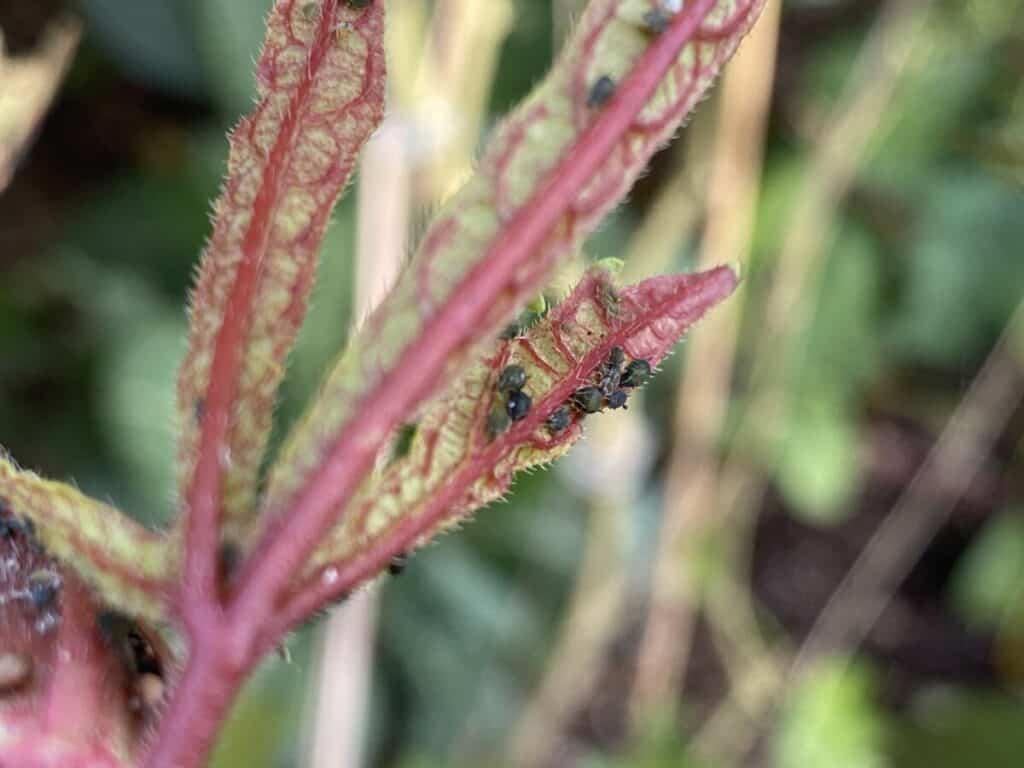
(830, 720)
(988, 583)
(835, 358)
(960, 730)
(149, 40)
(229, 36)
(965, 275)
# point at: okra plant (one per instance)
(124, 646)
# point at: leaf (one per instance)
(321, 85)
(831, 719)
(454, 466)
(129, 566)
(551, 171)
(988, 581)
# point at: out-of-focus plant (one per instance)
(427, 415)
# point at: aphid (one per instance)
(512, 378)
(617, 399)
(43, 586)
(497, 421)
(398, 563)
(510, 331)
(137, 651)
(198, 409)
(656, 21)
(588, 399)
(601, 92)
(15, 671)
(518, 405)
(636, 374)
(611, 371)
(403, 440)
(357, 3)
(228, 558)
(559, 419)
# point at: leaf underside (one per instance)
(455, 288)
(453, 464)
(320, 79)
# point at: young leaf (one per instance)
(321, 84)
(129, 566)
(550, 172)
(456, 464)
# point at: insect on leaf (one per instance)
(129, 566)
(550, 172)
(456, 464)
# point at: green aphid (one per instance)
(588, 399)
(637, 374)
(403, 440)
(498, 419)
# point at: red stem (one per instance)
(295, 533)
(225, 648)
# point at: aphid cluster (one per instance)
(511, 404)
(610, 390)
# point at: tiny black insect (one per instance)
(398, 563)
(588, 399)
(512, 379)
(559, 419)
(42, 588)
(510, 331)
(601, 92)
(137, 651)
(198, 409)
(656, 21)
(617, 399)
(636, 374)
(518, 405)
(611, 371)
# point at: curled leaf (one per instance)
(321, 84)
(456, 463)
(549, 174)
(128, 566)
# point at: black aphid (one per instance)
(518, 405)
(601, 92)
(228, 558)
(636, 374)
(43, 586)
(656, 21)
(559, 420)
(611, 371)
(199, 409)
(512, 379)
(398, 563)
(510, 331)
(617, 399)
(138, 653)
(588, 399)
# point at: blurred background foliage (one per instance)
(919, 275)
